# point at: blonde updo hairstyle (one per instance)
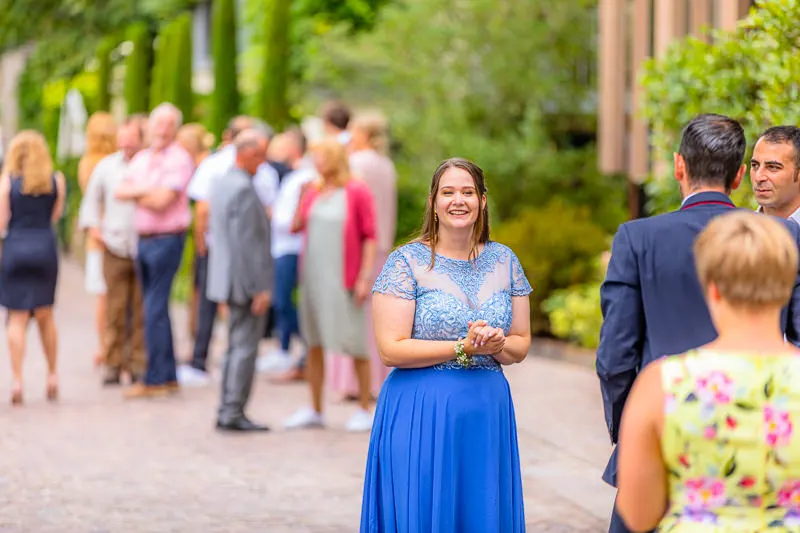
(751, 259)
(101, 140)
(376, 128)
(195, 139)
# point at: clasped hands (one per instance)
(484, 339)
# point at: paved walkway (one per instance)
(95, 463)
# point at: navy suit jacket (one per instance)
(653, 304)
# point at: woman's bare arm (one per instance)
(61, 195)
(393, 322)
(5, 202)
(518, 340)
(642, 476)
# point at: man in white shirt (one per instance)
(286, 246)
(110, 222)
(212, 168)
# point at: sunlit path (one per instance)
(97, 463)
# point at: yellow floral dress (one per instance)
(730, 444)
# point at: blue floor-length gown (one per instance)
(443, 455)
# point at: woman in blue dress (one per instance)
(449, 309)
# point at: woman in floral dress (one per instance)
(708, 440)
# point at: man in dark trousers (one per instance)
(651, 298)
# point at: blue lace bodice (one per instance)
(455, 292)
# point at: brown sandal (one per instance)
(16, 397)
(52, 392)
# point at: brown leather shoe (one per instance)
(172, 387)
(140, 390)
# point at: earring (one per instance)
(435, 217)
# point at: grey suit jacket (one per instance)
(240, 265)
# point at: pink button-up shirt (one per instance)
(171, 168)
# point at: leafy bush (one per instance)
(751, 74)
(557, 246)
(575, 312)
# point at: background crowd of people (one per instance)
(146, 187)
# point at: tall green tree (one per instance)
(274, 82)
(161, 66)
(179, 78)
(104, 49)
(137, 68)
(225, 98)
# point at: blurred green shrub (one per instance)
(574, 312)
(751, 74)
(557, 246)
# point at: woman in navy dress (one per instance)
(449, 310)
(31, 201)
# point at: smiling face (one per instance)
(457, 202)
(775, 177)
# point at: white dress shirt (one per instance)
(217, 165)
(283, 241)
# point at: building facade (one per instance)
(631, 31)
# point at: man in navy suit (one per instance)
(651, 298)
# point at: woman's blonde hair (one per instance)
(101, 140)
(337, 166)
(752, 259)
(101, 134)
(376, 127)
(195, 139)
(28, 158)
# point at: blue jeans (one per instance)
(158, 261)
(206, 315)
(285, 310)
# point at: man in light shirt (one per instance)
(212, 168)
(775, 172)
(110, 222)
(286, 246)
(156, 181)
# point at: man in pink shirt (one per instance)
(156, 180)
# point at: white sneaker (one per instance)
(304, 418)
(276, 361)
(189, 376)
(360, 421)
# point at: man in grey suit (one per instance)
(240, 273)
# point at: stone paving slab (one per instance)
(95, 463)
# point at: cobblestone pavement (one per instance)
(97, 464)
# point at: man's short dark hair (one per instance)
(784, 134)
(713, 148)
(336, 113)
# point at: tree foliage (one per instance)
(137, 68)
(751, 74)
(483, 79)
(225, 98)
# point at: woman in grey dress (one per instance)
(337, 216)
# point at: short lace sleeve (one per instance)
(519, 283)
(396, 278)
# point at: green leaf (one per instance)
(730, 467)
